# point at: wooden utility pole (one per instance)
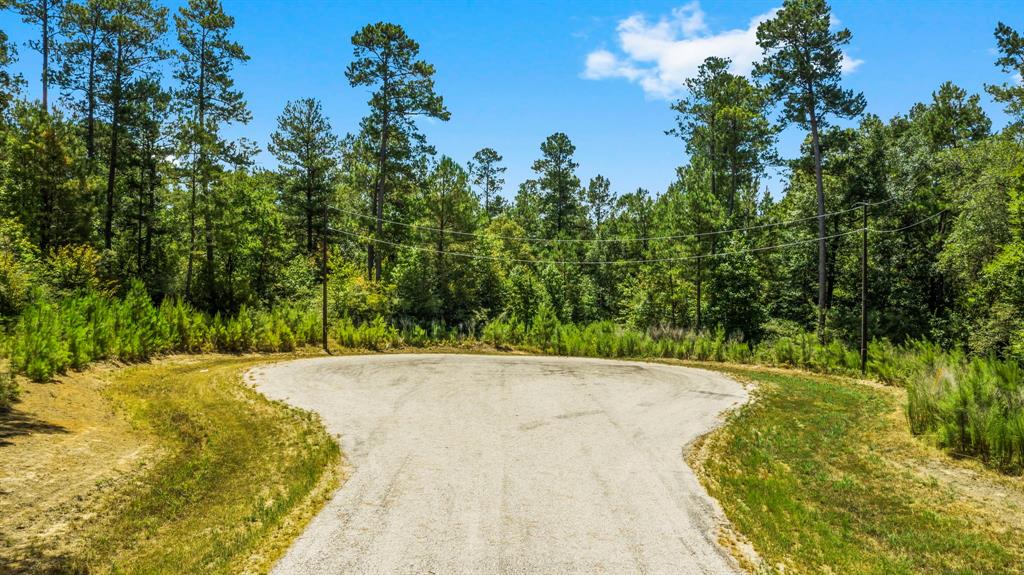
(323, 273)
(864, 292)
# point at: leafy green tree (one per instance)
(561, 209)
(700, 213)
(486, 173)
(953, 118)
(307, 149)
(984, 253)
(1011, 61)
(253, 245)
(135, 30)
(205, 101)
(599, 201)
(385, 58)
(19, 268)
(85, 27)
(452, 211)
(46, 186)
(10, 84)
(527, 208)
(723, 118)
(802, 67)
(145, 247)
(45, 14)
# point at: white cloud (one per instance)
(660, 56)
(849, 65)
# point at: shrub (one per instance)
(49, 338)
(972, 407)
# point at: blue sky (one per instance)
(602, 72)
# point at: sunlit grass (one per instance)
(241, 475)
(814, 473)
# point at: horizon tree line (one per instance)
(130, 177)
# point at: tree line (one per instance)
(127, 176)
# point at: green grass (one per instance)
(972, 408)
(50, 338)
(240, 477)
(814, 473)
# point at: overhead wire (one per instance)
(610, 240)
(470, 255)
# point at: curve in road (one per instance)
(509, 464)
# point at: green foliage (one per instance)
(75, 268)
(377, 335)
(803, 63)
(815, 474)
(46, 185)
(975, 407)
(1011, 61)
(50, 338)
(19, 268)
(308, 152)
(560, 200)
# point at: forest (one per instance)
(130, 225)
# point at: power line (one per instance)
(469, 255)
(907, 227)
(609, 240)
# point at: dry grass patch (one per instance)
(170, 467)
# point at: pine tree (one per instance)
(385, 58)
(1010, 61)
(10, 84)
(802, 67)
(86, 28)
(135, 30)
(452, 211)
(45, 14)
(206, 100)
(723, 118)
(560, 199)
(308, 152)
(486, 171)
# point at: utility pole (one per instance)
(323, 273)
(864, 292)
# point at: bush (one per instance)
(974, 407)
(50, 338)
(19, 263)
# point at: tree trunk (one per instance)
(140, 214)
(108, 218)
(200, 120)
(151, 196)
(309, 220)
(90, 97)
(45, 19)
(820, 192)
(378, 196)
(191, 234)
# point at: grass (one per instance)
(822, 475)
(972, 408)
(240, 478)
(51, 338)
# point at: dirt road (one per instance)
(509, 464)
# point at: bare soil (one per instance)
(63, 453)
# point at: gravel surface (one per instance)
(509, 464)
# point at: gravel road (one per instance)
(508, 464)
